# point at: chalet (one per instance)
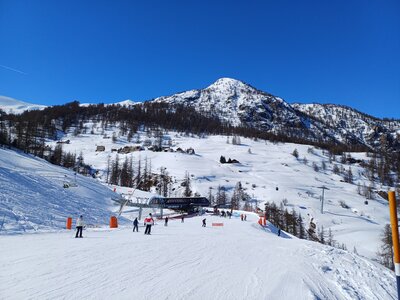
(167, 149)
(100, 148)
(129, 149)
(147, 143)
(63, 142)
(154, 148)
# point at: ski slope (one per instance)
(185, 261)
(268, 167)
(33, 199)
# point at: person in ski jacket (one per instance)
(79, 227)
(183, 219)
(241, 217)
(166, 221)
(136, 225)
(148, 222)
(245, 217)
(204, 222)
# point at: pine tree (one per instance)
(330, 241)
(211, 197)
(294, 220)
(187, 191)
(301, 230)
(321, 235)
(56, 157)
(385, 254)
(238, 195)
(295, 153)
(125, 176)
(108, 169)
(221, 197)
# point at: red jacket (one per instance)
(149, 221)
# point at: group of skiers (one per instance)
(226, 214)
(149, 221)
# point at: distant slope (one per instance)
(352, 124)
(10, 105)
(32, 196)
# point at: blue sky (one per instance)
(343, 52)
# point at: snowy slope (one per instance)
(267, 167)
(33, 199)
(351, 123)
(238, 103)
(10, 105)
(185, 261)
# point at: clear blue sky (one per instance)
(344, 52)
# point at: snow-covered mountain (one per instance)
(241, 104)
(352, 124)
(238, 103)
(11, 105)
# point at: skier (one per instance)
(136, 225)
(79, 226)
(241, 217)
(245, 217)
(148, 222)
(204, 223)
(183, 219)
(166, 221)
(279, 232)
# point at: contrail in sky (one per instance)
(12, 69)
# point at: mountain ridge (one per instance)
(237, 103)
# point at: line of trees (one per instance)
(237, 201)
(138, 174)
(293, 223)
(29, 130)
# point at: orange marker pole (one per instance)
(69, 223)
(395, 238)
(113, 222)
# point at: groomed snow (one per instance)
(33, 198)
(267, 167)
(185, 261)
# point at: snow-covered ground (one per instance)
(268, 167)
(33, 198)
(11, 105)
(185, 261)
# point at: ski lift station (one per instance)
(186, 204)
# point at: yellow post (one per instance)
(395, 238)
